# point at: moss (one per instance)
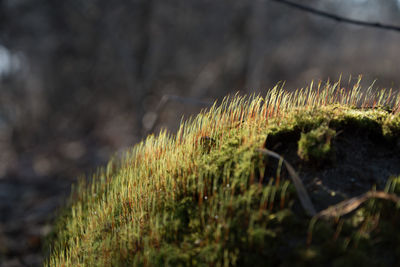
(202, 197)
(316, 145)
(391, 127)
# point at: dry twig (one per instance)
(338, 18)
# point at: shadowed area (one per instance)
(361, 159)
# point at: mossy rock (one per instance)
(207, 196)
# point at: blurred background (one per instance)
(80, 80)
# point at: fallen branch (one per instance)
(349, 205)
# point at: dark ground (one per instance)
(362, 159)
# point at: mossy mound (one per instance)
(208, 197)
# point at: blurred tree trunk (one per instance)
(144, 69)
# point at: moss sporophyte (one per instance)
(289, 179)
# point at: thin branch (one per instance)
(175, 98)
(337, 18)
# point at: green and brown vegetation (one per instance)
(216, 194)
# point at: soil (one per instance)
(362, 159)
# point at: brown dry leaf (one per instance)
(301, 191)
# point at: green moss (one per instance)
(316, 145)
(201, 198)
(391, 126)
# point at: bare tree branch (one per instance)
(163, 102)
(338, 18)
